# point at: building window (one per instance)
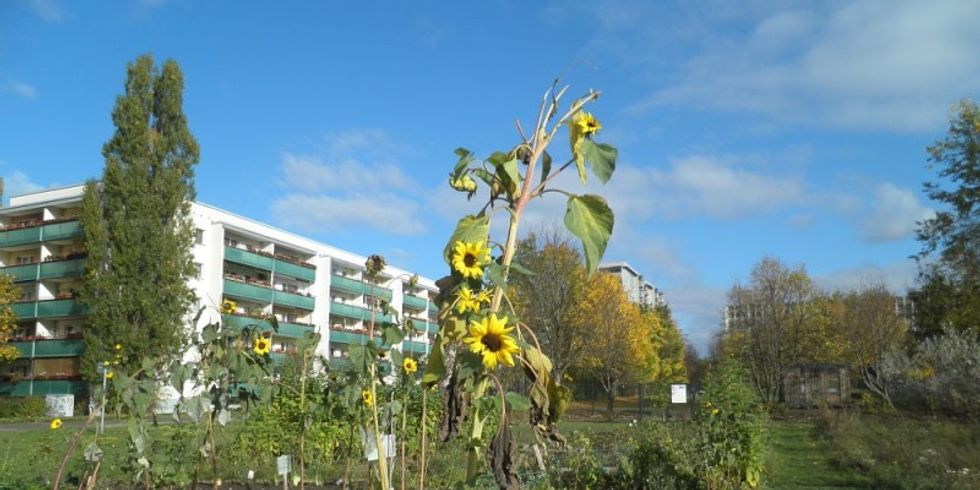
(199, 236)
(25, 259)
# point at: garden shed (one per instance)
(810, 385)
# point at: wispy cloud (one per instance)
(354, 180)
(21, 89)
(49, 10)
(893, 214)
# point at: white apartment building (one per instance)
(307, 285)
(638, 289)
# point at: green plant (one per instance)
(22, 408)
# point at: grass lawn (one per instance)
(799, 460)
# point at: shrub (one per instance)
(29, 407)
(940, 375)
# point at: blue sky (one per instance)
(792, 129)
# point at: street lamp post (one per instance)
(104, 370)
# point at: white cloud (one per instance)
(386, 213)
(893, 215)
(16, 183)
(875, 65)
(899, 277)
(49, 10)
(21, 89)
(353, 181)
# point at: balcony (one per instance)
(251, 259)
(354, 286)
(286, 329)
(293, 299)
(357, 313)
(350, 338)
(21, 273)
(22, 236)
(60, 307)
(252, 292)
(24, 310)
(50, 347)
(418, 324)
(62, 268)
(305, 272)
(61, 231)
(44, 387)
(417, 347)
(414, 302)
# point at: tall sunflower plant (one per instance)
(479, 333)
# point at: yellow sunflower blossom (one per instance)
(367, 397)
(228, 307)
(262, 346)
(55, 424)
(467, 301)
(490, 338)
(118, 347)
(715, 412)
(409, 365)
(109, 375)
(586, 123)
(483, 296)
(469, 258)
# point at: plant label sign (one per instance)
(282, 465)
(678, 393)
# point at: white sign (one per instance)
(678, 393)
(282, 465)
(59, 405)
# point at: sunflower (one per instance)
(109, 375)
(228, 307)
(586, 123)
(469, 258)
(262, 346)
(367, 397)
(118, 347)
(467, 301)
(490, 338)
(483, 296)
(409, 365)
(55, 424)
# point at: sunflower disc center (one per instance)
(492, 342)
(469, 260)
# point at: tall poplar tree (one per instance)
(136, 224)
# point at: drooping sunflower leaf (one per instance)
(435, 367)
(589, 218)
(601, 157)
(545, 165)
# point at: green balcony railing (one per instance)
(354, 286)
(50, 348)
(63, 268)
(290, 269)
(424, 325)
(43, 387)
(357, 313)
(252, 292)
(60, 307)
(22, 236)
(24, 310)
(21, 273)
(61, 231)
(413, 346)
(286, 329)
(294, 300)
(350, 338)
(251, 259)
(414, 302)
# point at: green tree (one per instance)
(548, 297)
(136, 224)
(949, 292)
(872, 330)
(8, 294)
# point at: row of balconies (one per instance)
(271, 263)
(34, 233)
(45, 270)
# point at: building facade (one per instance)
(309, 287)
(637, 288)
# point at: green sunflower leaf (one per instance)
(601, 157)
(469, 229)
(589, 218)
